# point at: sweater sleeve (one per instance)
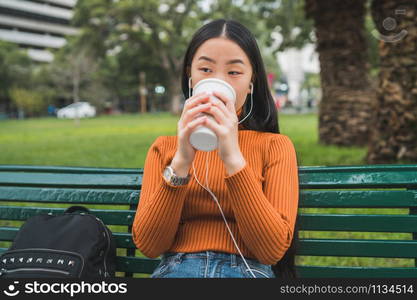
(266, 215)
(160, 205)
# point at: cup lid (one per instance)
(216, 80)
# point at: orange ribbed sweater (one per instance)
(259, 201)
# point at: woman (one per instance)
(241, 223)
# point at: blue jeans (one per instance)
(209, 264)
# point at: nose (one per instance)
(219, 75)
(222, 77)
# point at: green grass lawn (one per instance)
(122, 142)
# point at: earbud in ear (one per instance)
(251, 88)
(189, 87)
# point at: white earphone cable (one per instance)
(251, 105)
(212, 194)
(224, 218)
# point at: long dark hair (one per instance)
(264, 115)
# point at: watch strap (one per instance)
(176, 180)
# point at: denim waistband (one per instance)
(234, 258)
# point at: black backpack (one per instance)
(71, 245)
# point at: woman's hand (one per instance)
(189, 120)
(225, 126)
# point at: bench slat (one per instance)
(358, 176)
(317, 222)
(8, 233)
(136, 264)
(108, 216)
(88, 180)
(69, 195)
(310, 177)
(355, 272)
(123, 239)
(364, 223)
(349, 199)
(321, 199)
(69, 169)
(312, 247)
(358, 248)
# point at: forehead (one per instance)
(221, 50)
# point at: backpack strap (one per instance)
(75, 208)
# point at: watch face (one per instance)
(167, 174)
(170, 177)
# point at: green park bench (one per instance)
(112, 194)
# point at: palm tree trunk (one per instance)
(347, 93)
(395, 119)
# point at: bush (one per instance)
(30, 102)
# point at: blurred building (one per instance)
(37, 25)
(295, 63)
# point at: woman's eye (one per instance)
(204, 69)
(234, 73)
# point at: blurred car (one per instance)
(78, 109)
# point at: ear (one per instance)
(188, 71)
(252, 81)
(250, 87)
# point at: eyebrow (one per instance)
(233, 61)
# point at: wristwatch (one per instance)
(173, 178)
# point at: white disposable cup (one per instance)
(203, 138)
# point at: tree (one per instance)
(72, 76)
(15, 71)
(28, 102)
(394, 137)
(347, 94)
(286, 21)
(150, 34)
